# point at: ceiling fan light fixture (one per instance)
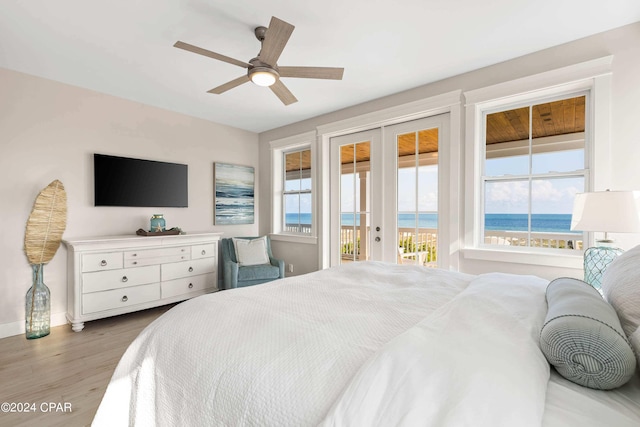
(263, 76)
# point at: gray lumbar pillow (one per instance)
(582, 337)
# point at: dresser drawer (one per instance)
(101, 262)
(191, 268)
(187, 285)
(204, 251)
(139, 262)
(122, 278)
(118, 298)
(156, 256)
(158, 252)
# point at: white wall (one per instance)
(623, 43)
(50, 130)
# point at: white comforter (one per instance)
(473, 362)
(361, 344)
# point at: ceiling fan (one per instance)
(263, 70)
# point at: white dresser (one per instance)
(108, 276)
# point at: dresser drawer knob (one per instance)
(125, 299)
(103, 262)
(203, 252)
(134, 262)
(134, 254)
(190, 269)
(125, 279)
(190, 285)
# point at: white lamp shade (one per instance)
(608, 211)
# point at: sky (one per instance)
(550, 196)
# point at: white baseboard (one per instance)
(18, 328)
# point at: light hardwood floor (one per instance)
(66, 367)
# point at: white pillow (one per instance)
(621, 287)
(251, 251)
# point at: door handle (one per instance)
(377, 238)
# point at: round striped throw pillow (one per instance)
(582, 337)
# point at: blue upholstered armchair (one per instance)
(236, 276)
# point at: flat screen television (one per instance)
(122, 181)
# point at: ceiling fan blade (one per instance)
(275, 40)
(208, 53)
(283, 93)
(331, 73)
(229, 85)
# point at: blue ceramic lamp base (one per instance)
(596, 260)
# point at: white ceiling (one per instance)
(125, 47)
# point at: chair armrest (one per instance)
(230, 275)
(278, 263)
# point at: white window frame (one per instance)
(547, 145)
(279, 148)
(593, 77)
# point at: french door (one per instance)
(356, 204)
(386, 189)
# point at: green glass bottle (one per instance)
(38, 306)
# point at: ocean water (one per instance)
(554, 223)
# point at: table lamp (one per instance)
(608, 212)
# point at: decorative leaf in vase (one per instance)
(46, 224)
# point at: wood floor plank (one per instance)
(66, 367)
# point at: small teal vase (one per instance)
(157, 223)
(38, 306)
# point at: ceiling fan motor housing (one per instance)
(261, 73)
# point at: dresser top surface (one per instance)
(131, 240)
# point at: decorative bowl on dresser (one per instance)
(108, 276)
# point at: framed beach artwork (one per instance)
(234, 194)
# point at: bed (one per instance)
(360, 344)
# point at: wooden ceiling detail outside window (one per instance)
(363, 153)
(427, 142)
(294, 163)
(549, 119)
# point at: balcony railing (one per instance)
(298, 228)
(418, 248)
(421, 247)
(569, 241)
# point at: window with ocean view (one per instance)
(297, 192)
(534, 165)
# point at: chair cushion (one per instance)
(582, 337)
(258, 272)
(251, 251)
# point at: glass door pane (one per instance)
(355, 226)
(417, 197)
